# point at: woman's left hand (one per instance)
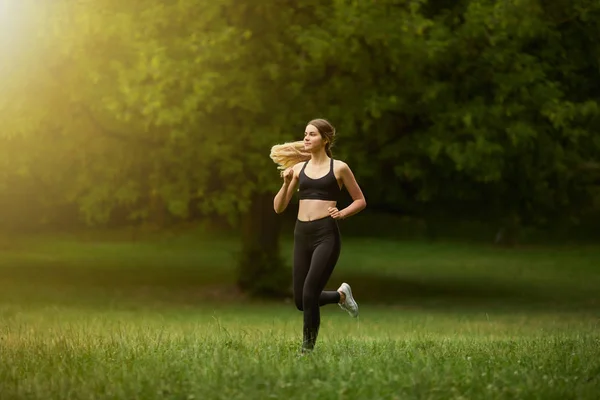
(335, 213)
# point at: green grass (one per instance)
(251, 352)
(160, 319)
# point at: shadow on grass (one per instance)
(130, 276)
(101, 285)
(390, 290)
(189, 286)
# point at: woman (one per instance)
(310, 165)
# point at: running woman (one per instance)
(309, 164)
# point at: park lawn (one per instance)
(160, 320)
(251, 352)
(198, 265)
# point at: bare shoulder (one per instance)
(341, 170)
(297, 167)
(340, 166)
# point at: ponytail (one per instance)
(289, 154)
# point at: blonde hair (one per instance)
(288, 154)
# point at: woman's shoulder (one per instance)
(298, 166)
(339, 164)
(340, 168)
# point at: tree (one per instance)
(167, 108)
(496, 118)
(157, 112)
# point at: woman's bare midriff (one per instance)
(310, 210)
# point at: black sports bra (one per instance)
(324, 188)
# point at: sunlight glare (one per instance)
(9, 27)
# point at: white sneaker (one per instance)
(350, 304)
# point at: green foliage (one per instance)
(153, 111)
(496, 117)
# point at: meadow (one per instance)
(160, 318)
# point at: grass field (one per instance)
(160, 319)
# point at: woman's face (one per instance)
(312, 139)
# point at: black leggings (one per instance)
(317, 247)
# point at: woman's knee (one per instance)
(299, 304)
(310, 299)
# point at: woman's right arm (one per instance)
(283, 197)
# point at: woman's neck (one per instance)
(319, 158)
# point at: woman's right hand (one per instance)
(287, 175)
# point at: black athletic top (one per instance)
(324, 188)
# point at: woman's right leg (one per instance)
(301, 267)
(302, 257)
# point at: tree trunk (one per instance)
(508, 234)
(157, 213)
(261, 269)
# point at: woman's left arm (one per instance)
(358, 199)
